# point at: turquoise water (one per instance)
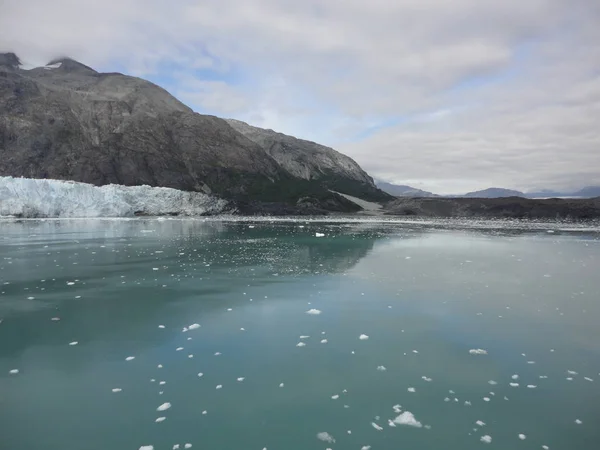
(424, 294)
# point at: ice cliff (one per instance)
(27, 197)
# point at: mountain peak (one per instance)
(10, 60)
(70, 65)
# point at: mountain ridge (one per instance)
(66, 121)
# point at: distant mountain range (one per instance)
(399, 190)
(408, 191)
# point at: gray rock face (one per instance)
(66, 121)
(311, 161)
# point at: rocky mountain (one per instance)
(67, 121)
(399, 190)
(494, 193)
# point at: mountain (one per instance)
(494, 193)
(399, 190)
(587, 192)
(66, 121)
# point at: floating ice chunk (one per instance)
(325, 437)
(200, 374)
(313, 312)
(117, 390)
(219, 386)
(365, 447)
(415, 352)
(55, 319)
(193, 326)
(304, 337)
(397, 409)
(478, 351)
(130, 358)
(363, 337)
(162, 382)
(578, 422)
(300, 344)
(178, 349)
(319, 234)
(487, 439)
(407, 418)
(160, 366)
(514, 384)
(281, 385)
(176, 447)
(492, 382)
(190, 356)
(147, 447)
(545, 447)
(530, 362)
(204, 412)
(161, 326)
(335, 397)
(73, 343)
(217, 353)
(187, 446)
(381, 368)
(515, 377)
(164, 407)
(480, 423)
(446, 399)
(572, 372)
(531, 386)
(522, 437)
(70, 283)
(241, 379)
(412, 389)
(160, 419)
(426, 378)
(323, 341)
(377, 427)
(486, 399)
(391, 423)
(467, 403)
(587, 379)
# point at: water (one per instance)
(425, 294)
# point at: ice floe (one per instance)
(117, 390)
(411, 389)
(194, 326)
(160, 419)
(381, 368)
(522, 437)
(164, 407)
(363, 337)
(130, 358)
(407, 418)
(313, 312)
(478, 351)
(325, 437)
(377, 427)
(487, 439)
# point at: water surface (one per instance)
(425, 294)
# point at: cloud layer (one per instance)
(448, 96)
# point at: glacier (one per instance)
(46, 198)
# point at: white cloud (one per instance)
(456, 95)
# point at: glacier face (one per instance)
(28, 197)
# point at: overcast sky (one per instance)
(444, 95)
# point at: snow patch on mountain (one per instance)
(33, 198)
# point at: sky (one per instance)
(447, 96)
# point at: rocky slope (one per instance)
(66, 121)
(496, 208)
